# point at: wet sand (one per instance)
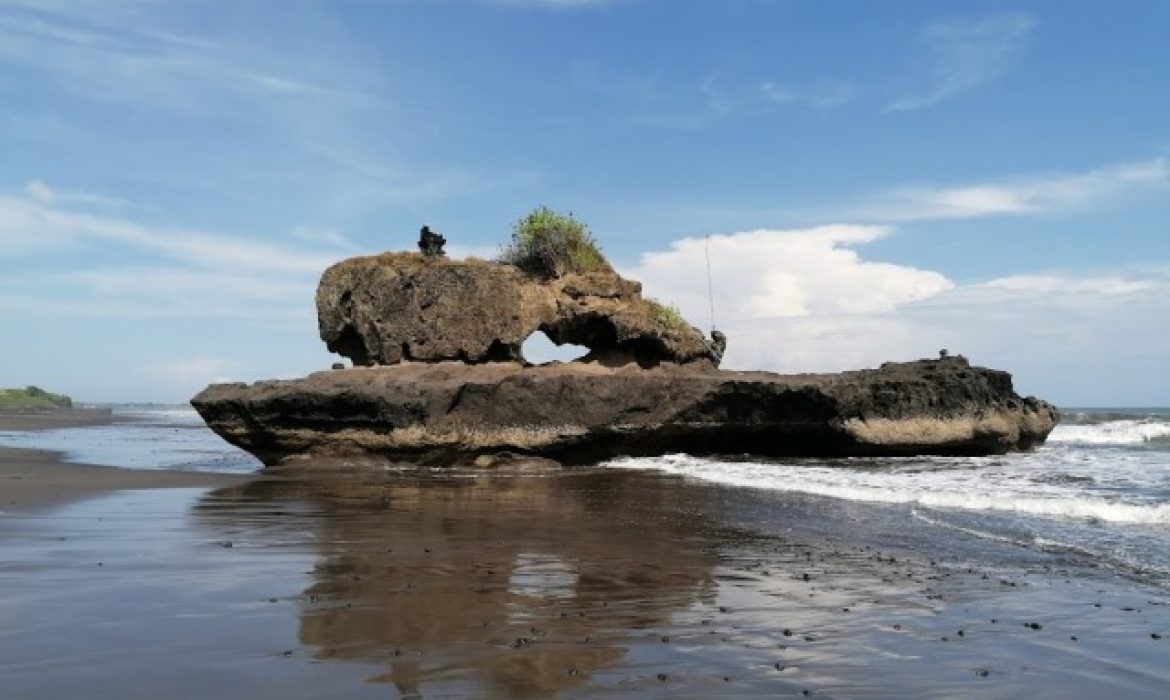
(33, 479)
(585, 583)
(58, 418)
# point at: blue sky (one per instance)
(878, 180)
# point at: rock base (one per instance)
(451, 413)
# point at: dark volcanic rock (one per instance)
(396, 307)
(439, 379)
(451, 413)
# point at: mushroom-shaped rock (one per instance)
(385, 309)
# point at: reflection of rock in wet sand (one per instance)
(528, 582)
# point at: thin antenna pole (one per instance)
(710, 289)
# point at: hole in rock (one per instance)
(539, 349)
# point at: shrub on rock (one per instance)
(547, 244)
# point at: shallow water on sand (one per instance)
(1099, 490)
(576, 584)
(168, 437)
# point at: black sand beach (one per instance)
(56, 418)
(578, 583)
(31, 479)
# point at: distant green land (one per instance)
(32, 397)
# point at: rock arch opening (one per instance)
(539, 349)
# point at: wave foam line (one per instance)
(1119, 432)
(847, 485)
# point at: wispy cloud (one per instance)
(325, 236)
(27, 224)
(718, 99)
(723, 98)
(120, 267)
(1019, 196)
(109, 265)
(1025, 195)
(94, 55)
(968, 54)
(1048, 285)
(323, 102)
(655, 99)
(42, 193)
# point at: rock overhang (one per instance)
(390, 308)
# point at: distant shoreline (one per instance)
(51, 418)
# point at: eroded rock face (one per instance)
(390, 308)
(452, 413)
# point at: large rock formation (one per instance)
(441, 381)
(386, 309)
(452, 413)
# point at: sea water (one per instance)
(1097, 491)
(143, 437)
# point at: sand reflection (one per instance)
(491, 585)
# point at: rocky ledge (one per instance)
(453, 414)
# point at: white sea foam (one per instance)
(975, 489)
(160, 414)
(1117, 432)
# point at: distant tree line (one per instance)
(32, 397)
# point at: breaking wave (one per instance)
(965, 489)
(1135, 431)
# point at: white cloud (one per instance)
(808, 301)
(968, 54)
(1026, 195)
(764, 274)
(124, 268)
(190, 372)
(29, 223)
(792, 301)
(40, 192)
(1038, 285)
(163, 291)
(325, 236)
(1017, 196)
(113, 54)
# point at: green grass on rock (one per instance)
(547, 244)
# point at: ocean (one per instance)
(154, 436)
(1098, 492)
